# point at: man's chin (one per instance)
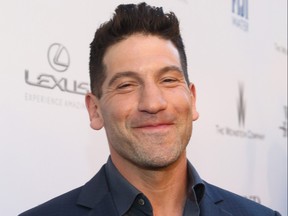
(157, 164)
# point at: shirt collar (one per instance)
(196, 185)
(119, 186)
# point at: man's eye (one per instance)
(169, 80)
(125, 85)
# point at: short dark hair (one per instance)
(129, 19)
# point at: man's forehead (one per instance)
(139, 43)
(140, 51)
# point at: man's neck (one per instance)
(166, 189)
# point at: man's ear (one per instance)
(195, 114)
(92, 105)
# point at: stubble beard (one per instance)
(152, 153)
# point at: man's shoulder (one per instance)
(236, 204)
(75, 202)
(58, 205)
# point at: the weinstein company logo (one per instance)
(240, 14)
(240, 132)
(283, 127)
(59, 60)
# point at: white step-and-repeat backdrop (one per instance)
(237, 54)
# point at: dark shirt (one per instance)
(129, 201)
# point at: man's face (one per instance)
(146, 108)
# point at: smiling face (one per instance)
(146, 108)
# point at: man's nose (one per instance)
(151, 99)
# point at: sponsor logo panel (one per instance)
(59, 60)
(241, 131)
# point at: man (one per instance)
(142, 96)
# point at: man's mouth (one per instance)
(159, 126)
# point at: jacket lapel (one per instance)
(210, 204)
(96, 195)
(209, 208)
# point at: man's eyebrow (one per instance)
(121, 75)
(171, 68)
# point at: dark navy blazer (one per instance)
(94, 199)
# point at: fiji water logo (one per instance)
(240, 14)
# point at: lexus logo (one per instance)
(58, 57)
(241, 106)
